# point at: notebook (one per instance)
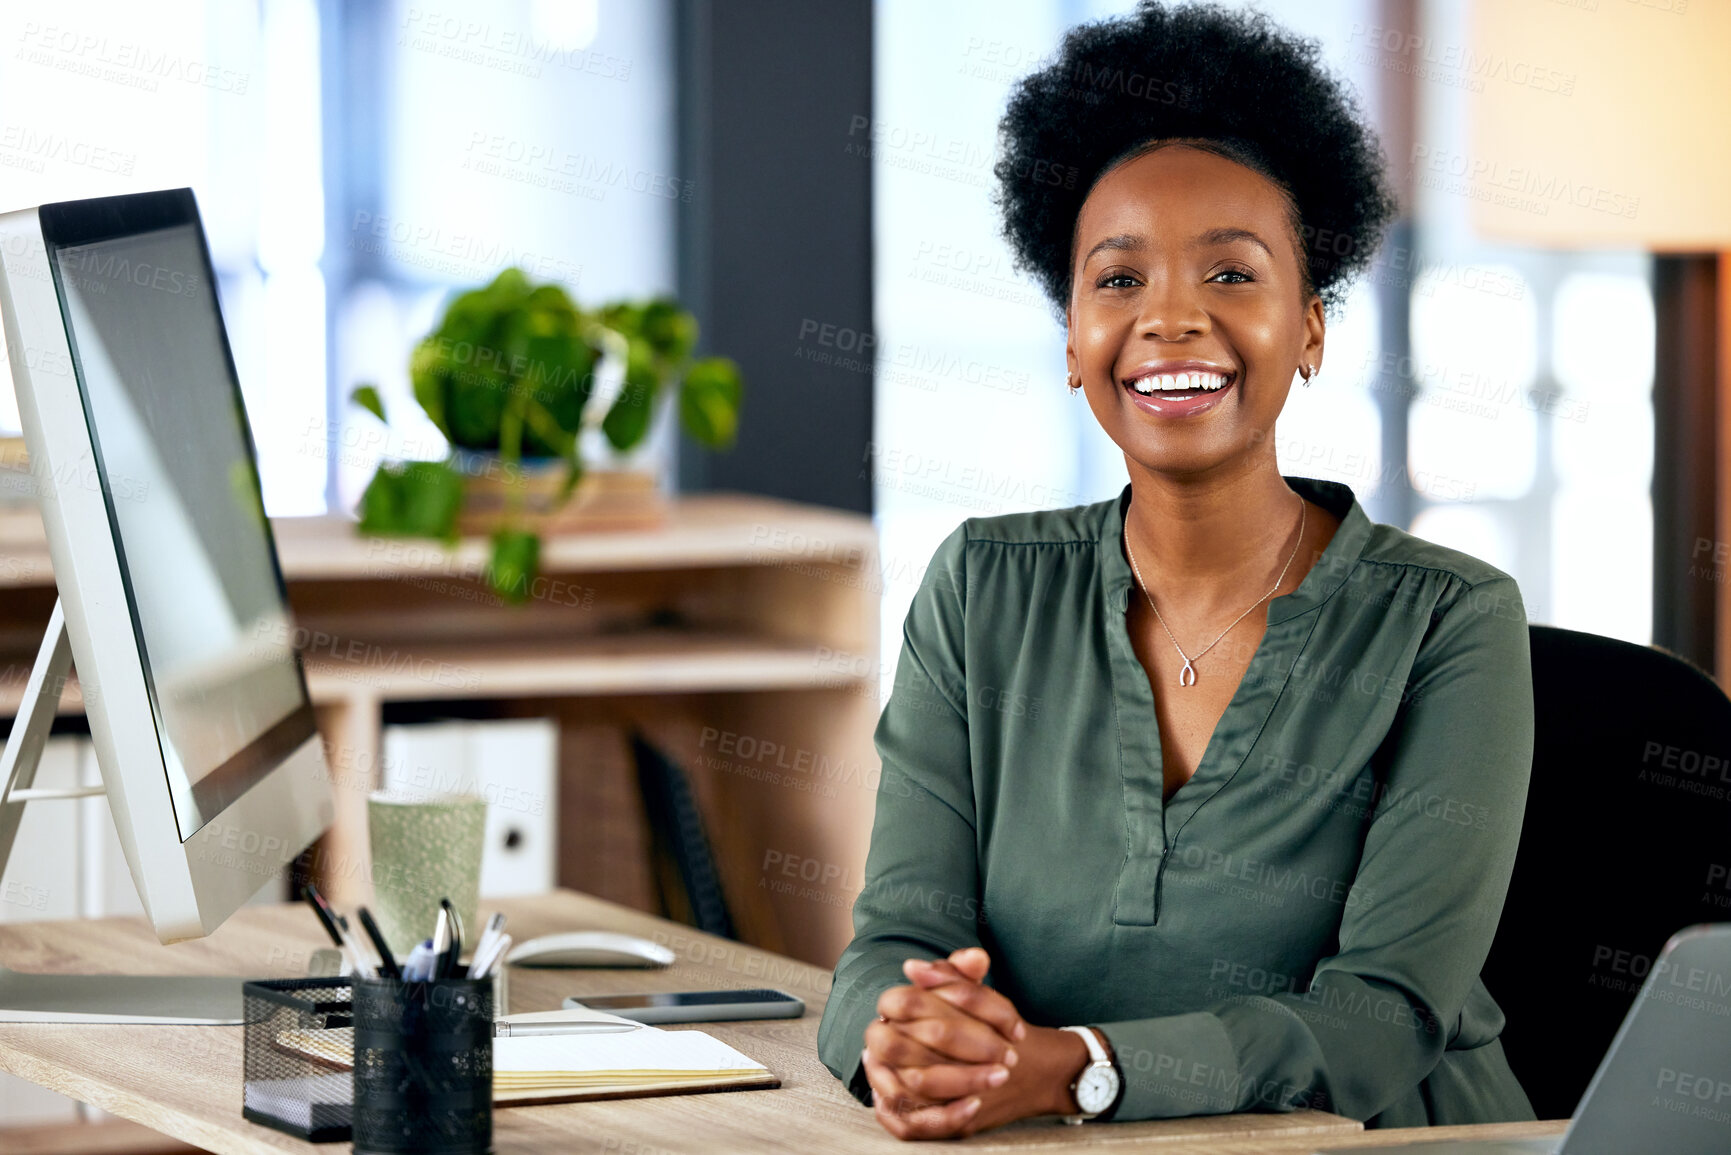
(562, 1068)
(557, 1068)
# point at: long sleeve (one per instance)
(920, 895)
(1416, 925)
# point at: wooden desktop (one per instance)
(185, 1082)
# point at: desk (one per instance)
(186, 1081)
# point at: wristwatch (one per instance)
(1096, 1087)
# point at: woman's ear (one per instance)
(1315, 330)
(1071, 364)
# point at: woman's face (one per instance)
(1186, 263)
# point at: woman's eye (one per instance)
(1117, 281)
(1243, 277)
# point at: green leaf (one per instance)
(623, 318)
(552, 300)
(542, 435)
(416, 498)
(508, 290)
(427, 374)
(477, 409)
(709, 401)
(573, 475)
(559, 376)
(367, 397)
(627, 421)
(670, 330)
(516, 562)
(511, 342)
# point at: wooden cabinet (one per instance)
(741, 638)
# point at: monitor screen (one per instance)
(175, 462)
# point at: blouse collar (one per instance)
(1325, 577)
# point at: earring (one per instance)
(1071, 383)
(1309, 372)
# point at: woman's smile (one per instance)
(1184, 388)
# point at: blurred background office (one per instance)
(1533, 372)
(357, 161)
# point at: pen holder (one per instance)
(295, 1057)
(423, 1067)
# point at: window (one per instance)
(1535, 402)
(353, 165)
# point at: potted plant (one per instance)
(509, 376)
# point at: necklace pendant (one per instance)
(1187, 676)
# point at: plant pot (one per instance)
(606, 499)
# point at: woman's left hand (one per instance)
(931, 1099)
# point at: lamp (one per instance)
(1607, 124)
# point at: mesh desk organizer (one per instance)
(288, 1086)
(422, 1062)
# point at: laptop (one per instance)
(1665, 1084)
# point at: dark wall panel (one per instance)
(775, 241)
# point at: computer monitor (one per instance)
(172, 603)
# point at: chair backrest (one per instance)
(1627, 840)
(686, 872)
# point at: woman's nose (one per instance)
(1170, 312)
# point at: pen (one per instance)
(386, 962)
(446, 964)
(485, 954)
(563, 1022)
(441, 940)
(494, 925)
(363, 965)
(327, 917)
(418, 967)
(369, 961)
(338, 928)
(486, 961)
(508, 1030)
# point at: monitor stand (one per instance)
(54, 998)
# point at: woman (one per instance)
(1203, 799)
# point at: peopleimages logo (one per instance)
(94, 269)
(1434, 167)
(39, 148)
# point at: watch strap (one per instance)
(1096, 1053)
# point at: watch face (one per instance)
(1096, 1089)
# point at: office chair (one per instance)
(1627, 840)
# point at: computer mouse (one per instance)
(589, 948)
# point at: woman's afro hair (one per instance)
(1250, 90)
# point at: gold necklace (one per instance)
(1189, 670)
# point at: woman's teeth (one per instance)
(1179, 383)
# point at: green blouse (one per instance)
(1302, 924)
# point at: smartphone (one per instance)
(695, 1006)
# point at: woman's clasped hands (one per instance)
(950, 1056)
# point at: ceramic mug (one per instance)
(424, 848)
